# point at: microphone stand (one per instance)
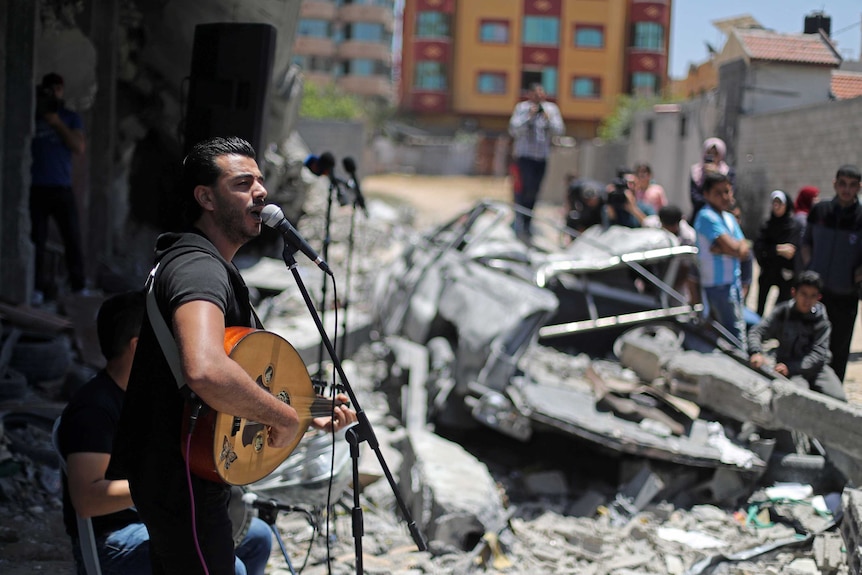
(350, 245)
(334, 187)
(267, 511)
(360, 432)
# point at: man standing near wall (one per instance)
(532, 125)
(832, 246)
(59, 135)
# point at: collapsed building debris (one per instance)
(528, 513)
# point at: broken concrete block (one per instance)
(451, 494)
(829, 552)
(587, 504)
(835, 423)
(547, 483)
(851, 528)
(725, 386)
(802, 566)
(645, 350)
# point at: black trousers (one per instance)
(165, 508)
(766, 281)
(532, 173)
(56, 202)
(842, 310)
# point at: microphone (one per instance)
(272, 216)
(320, 165)
(350, 168)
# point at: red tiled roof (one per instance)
(846, 85)
(795, 48)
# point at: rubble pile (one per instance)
(488, 503)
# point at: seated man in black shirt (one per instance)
(86, 437)
(802, 329)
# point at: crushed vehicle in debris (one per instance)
(520, 337)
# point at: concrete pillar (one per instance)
(102, 205)
(18, 20)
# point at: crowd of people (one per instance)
(810, 250)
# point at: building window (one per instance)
(649, 36)
(365, 67)
(583, 87)
(491, 83)
(313, 63)
(366, 32)
(589, 37)
(432, 25)
(386, 3)
(547, 77)
(644, 83)
(430, 76)
(541, 31)
(494, 31)
(315, 28)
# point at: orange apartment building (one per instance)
(472, 60)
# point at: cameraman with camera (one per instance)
(59, 134)
(532, 125)
(622, 207)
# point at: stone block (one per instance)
(725, 386)
(837, 424)
(452, 496)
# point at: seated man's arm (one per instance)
(765, 329)
(91, 493)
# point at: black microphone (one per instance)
(350, 168)
(272, 216)
(320, 165)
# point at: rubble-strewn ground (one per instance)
(545, 535)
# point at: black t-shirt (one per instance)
(87, 426)
(147, 450)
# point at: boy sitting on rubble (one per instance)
(802, 329)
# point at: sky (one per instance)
(691, 25)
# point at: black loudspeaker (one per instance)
(229, 82)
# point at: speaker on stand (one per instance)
(229, 82)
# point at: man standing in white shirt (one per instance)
(533, 124)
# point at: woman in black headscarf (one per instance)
(777, 250)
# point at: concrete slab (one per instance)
(451, 494)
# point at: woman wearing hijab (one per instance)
(777, 250)
(805, 200)
(712, 160)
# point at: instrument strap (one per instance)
(163, 334)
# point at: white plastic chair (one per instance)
(86, 535)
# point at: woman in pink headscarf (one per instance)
(712, 160)
(805, 200)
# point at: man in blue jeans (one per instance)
(85, 438)
(532, 125)
(721, 247)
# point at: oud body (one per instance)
(233, 450)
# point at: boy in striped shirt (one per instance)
(721, 247)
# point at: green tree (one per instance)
(619, 123)
(327, 102)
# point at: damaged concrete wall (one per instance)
(18, 21)
(126, 65)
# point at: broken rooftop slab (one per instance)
(724, 385)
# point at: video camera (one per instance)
(617, 196)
